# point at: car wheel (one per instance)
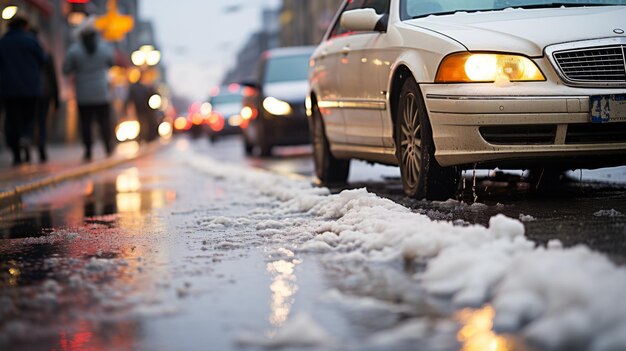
(247, 147)
(328, 169)
(265, 149)
(422, 176)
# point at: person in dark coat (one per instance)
(139, 95)
(21, 59)
(89, 61)
(50, 96)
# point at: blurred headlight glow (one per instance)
(276, 107)
(138, 58)
(218, 124)
(9, 12)
(197, 119)
(127, 130)
(234, 120)
(247, 113)
(165, 130)
(180, 123)
(468, 67)
(153, 58)
(155, 102)
(206, 108)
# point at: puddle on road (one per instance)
(85, 202)
(46, 217)
(77, 254)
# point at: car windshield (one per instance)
(287, 68)
(420, 8)
(226, 99)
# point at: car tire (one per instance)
(247, 147)
(265, 149)
(328, 169)
(422, 176)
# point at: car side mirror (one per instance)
(361, 20)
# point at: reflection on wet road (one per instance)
(78, 203)
(68, 257)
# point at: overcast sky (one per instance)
(199, 38)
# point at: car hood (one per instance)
(287, 91)
(526, 31)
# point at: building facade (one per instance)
(304, 22)
(248, 55)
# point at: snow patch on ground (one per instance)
(364, 303)
(526, 218)
(552, 295)
(300, 331)
(608, 213)
(51, 238)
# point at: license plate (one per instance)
(608, 108)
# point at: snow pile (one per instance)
(552, 295)
(412, 334)
(299, 331)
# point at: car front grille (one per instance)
(596, 133)
(577, 134)
(606, 65)
(519, 135)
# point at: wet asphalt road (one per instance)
(132, 258)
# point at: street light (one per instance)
(146, 55)
(9, 12)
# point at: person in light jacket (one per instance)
(89, 61)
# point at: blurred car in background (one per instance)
(274, 104)
(223, 110)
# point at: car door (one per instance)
(333, 84)
(323, 79)
(359, 67)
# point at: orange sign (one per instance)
(113, 25)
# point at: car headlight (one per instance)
(235, 120)
(276, 107)
(466, 67)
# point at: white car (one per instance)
(443, 85)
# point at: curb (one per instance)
(6, 196)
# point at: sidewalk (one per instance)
(64, 162)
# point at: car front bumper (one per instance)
(287, 130)
(521, 125)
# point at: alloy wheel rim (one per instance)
(410, 140)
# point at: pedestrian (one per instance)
(89, 61)
(21, 59)
(50, 96)
(139, 95)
